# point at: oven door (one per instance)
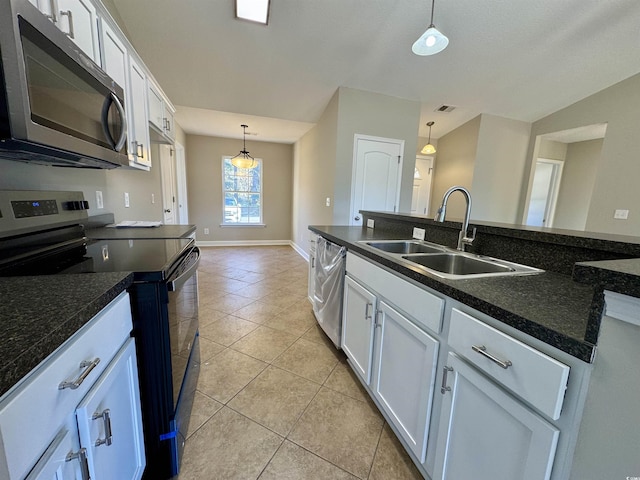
(185, 353)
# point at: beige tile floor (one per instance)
(275, 399)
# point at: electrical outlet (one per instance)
(328, 202)
(206, 231)
(153, 198)
(621, 214)
(370, 223)
(418, 233)
(126, 200)
(99, 199)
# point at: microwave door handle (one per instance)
(123, 135)
(113, 99)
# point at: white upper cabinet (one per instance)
(161, 115)
(77, 19)
(138, 124)
(133, 79)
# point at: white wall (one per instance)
(323, 158)
(576, 187)
(616, 181)
(499, 164)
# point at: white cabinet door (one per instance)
(358, 316)
(486, 434)
(110, 422)
(57, 463)
(138, 123)
(156, 108)
(404, 375)
(78, 20)
(114, 57)
(312, 277)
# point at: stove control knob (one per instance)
(76, 205)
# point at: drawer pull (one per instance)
(445, 388)
(89, 365)
(482, 350)
(106, 418)
(81, 455)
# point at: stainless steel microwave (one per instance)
(57, 106)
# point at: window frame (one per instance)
(224, 222)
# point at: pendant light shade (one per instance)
(243, 159)
(429, 149)
(431, 41)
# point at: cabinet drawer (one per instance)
(532, 375)
(31, 414)
(421, 305)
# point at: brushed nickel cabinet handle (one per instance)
(81, 455)
(106, 418)
(69, 14)
(88, 365)
(482, 350)
(445, 388)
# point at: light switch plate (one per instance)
(99, 199)
(418, 233)
(126, 200)
(621, 214)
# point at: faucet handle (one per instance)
(468, 240)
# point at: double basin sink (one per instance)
(446, 262)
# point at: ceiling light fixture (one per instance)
(429, 149)
(431, 41)
(243, 159)
(253, 10)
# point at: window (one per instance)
(242, 193)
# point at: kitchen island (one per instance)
(572, 317)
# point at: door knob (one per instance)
(357, 218)
(167, 210)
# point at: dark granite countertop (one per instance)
(621, 276)
(38, 314)
(163, 231)
(549, 306)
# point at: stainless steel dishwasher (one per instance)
(329, 281)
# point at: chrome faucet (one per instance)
(463, 239)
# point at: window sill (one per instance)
(259, 225)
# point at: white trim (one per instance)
(227, 225)
(243, 243)
(300, 251)
(622, 307)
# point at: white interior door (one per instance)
(376, 175)
(422, 177)
(181, 181)
(544, 192)
(167, 172)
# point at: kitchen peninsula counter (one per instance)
(549, 306)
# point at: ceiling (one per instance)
(519, 59)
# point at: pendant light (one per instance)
(243, 159)
(429, 149)
(431, 41)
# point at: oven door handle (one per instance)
(176, 283)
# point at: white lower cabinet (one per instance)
(486, 434)
(77, 415)
(109, 420)
(404, 375)
(358, 311)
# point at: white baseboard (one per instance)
(254, 243)
(243, 243)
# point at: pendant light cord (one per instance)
(433, 4)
